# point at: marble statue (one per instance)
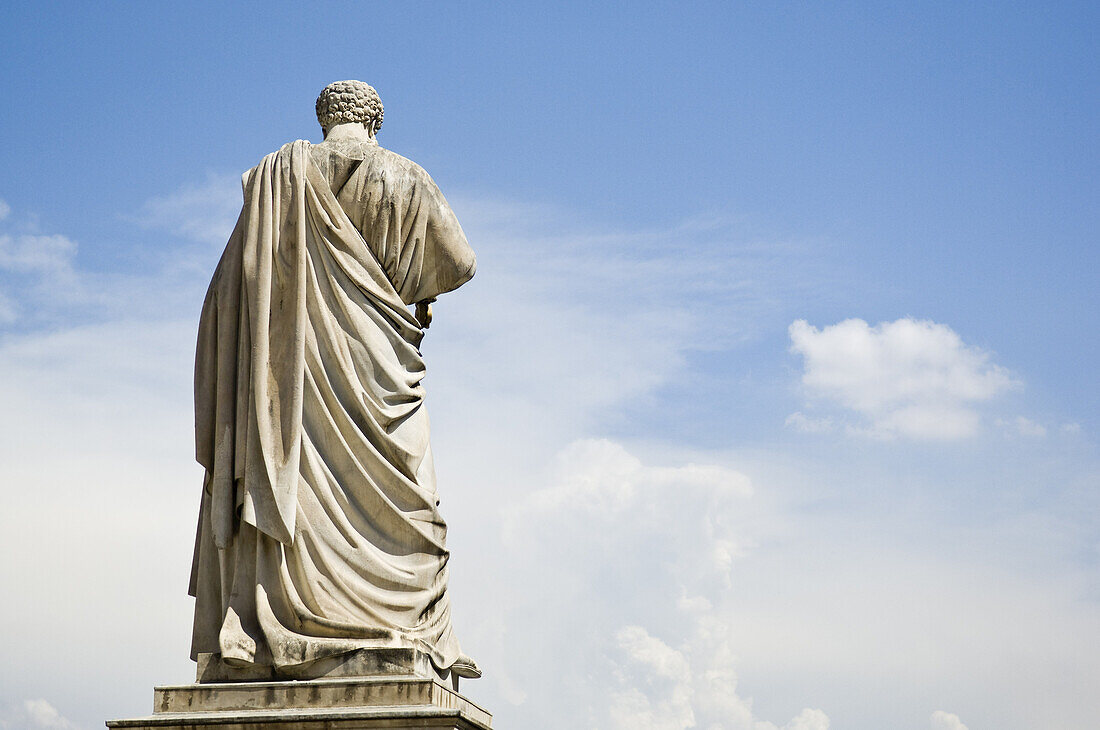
(320, 532)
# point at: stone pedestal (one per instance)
(359, 703)
(380, 687)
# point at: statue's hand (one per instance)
(424, 313)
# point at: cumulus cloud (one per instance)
(600, 475)
(601, 483)
(665, 688)
(946, 721)
(37, 714)
(666, 702)
(648, 616)
(910, 378)
(809, 719)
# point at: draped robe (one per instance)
(319, 529)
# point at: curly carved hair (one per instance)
(349, 101)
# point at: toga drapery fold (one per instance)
(319, 528)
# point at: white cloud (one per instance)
(946, 721)
(28, 253)
(659, 659)
(642, 553)
(664, 699)
(599, 482)
(32, 253)
(204, 212)
(909, 378)
(42, 286)
(30, 265)
(37, 714)
(42, 714)
(601, 476)
(809, 719)
(664, 688)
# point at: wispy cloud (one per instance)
(711, 281)
(33, 254)
(910, 378)
(802, 423)
(203, 212)
(43, 286)
(31, 266)
(1021, 426)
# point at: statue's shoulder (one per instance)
(382, 163)
(396, 161)
(411, 171)
(369, 162)
(283, 153)
(288, 149)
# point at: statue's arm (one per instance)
(449, 261)
(456, 258)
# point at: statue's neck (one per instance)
(350, 132)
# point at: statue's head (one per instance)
(349, 101)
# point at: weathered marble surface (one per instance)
(322, 704)
(320, 532)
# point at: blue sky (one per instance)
(819, 281)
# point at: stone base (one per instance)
(360, 703)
